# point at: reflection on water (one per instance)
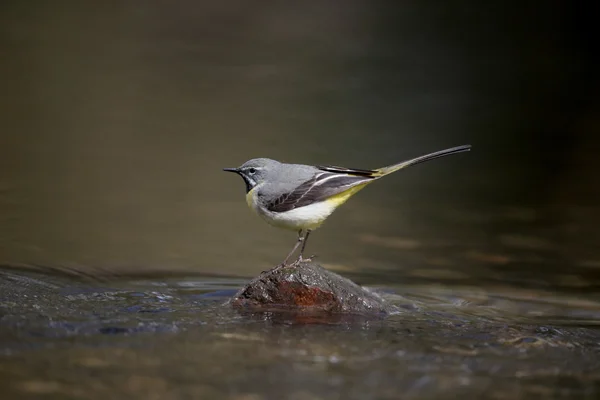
(148, 337)
(116, 120)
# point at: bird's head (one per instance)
(255, 171)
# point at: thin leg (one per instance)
(304, 246)
(298, 243)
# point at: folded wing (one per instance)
(322, 186)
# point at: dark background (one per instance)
(117, 117)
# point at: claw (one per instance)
(296, 263)
(308, 259)
(279, 267)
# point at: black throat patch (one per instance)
(249, 183)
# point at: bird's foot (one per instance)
(298, 261)
(301, 259)
(283, 265)
(277, 267)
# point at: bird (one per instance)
(300, 197)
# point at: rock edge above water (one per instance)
(308, 287)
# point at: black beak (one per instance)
(244, 177)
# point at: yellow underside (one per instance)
(342, 197)
(336, 201)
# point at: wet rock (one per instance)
(308, 287)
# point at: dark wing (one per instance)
(318, 188)
(349, 171)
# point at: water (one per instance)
(68, 337)
(120, 236)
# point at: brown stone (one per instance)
(308, 287)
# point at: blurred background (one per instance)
(116, 119)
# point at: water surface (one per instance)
(150, 337)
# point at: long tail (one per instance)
(442, 153)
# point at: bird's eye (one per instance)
(251, 171)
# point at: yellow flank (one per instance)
(335, 201)
(342, 197)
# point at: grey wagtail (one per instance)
(300, 197)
